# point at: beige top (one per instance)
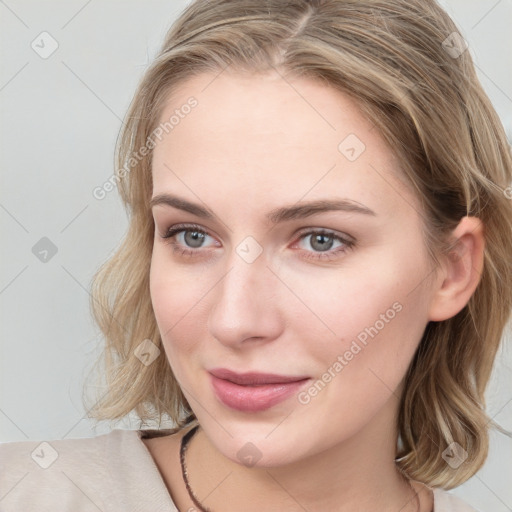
(112, 472)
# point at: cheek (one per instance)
(378, 324)
(372, 314)
(178, 297)
(169, 294)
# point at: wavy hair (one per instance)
(405, 64)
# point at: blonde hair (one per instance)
(392, 58)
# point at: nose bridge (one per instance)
(244, 285)
(244, 302)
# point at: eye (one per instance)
(322, 241)
(186, 238)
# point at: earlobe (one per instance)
(461, 270)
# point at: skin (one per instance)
(252, 144)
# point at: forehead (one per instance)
(288, 137)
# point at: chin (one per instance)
(260, 446)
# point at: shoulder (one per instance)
(108, 471)
(60, 453)
(444, 501)
(13, 450)
(63, 473)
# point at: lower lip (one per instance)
(254, 398)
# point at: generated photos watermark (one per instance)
(357, 345)
(162, 129)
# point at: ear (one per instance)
(461, 270)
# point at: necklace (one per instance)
(183, 448)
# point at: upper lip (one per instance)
(254, 378)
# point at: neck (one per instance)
(355, 475)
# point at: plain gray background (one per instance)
(60, 117)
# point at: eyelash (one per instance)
(322, 256)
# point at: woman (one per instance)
(316, 276)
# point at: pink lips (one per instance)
(253, 392)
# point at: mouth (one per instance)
(253, 391)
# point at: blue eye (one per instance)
(322, 242)
(187, 239)
(192, 234)
(193, 238)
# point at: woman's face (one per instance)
(300, 255)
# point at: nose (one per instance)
(245, 304)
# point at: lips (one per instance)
(253, 378)
(253, 391)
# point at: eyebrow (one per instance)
(286, 213)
